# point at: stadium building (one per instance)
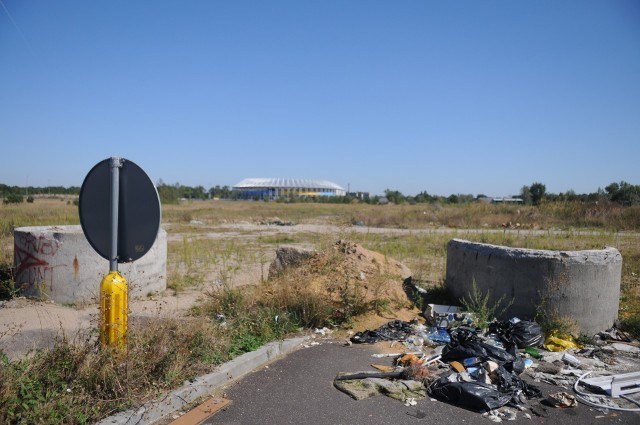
(258, 188)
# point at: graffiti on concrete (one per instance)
(32, 255)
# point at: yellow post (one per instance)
(113, 310)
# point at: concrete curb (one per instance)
(203, 385)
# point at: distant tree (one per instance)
(624, 193)
(538, 191)
(199, 192)
(394, 196)
(453, 199)
(168, 194)
(214, 192)
(465, 199)
(424, 197)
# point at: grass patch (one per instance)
(7, 284)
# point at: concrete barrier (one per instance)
(59, 264)
(583, 286)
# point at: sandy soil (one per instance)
(26, 325)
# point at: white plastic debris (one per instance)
(324, 331)
(410, 401)
(625, 347)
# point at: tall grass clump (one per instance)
(246, 322)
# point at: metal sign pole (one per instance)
(114, 303)
(115, 165)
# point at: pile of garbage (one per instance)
(495, 370)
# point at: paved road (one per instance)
(298, 389)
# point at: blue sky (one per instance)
(445, 96)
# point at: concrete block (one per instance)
(59, 264)
(581, 285)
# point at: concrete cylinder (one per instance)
(58, 263)
(583, 286)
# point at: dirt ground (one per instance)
(27, 325)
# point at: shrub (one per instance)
(13, 199)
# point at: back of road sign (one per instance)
(138, 210)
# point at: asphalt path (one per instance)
(298, 389)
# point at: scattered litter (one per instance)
(481, 371)
(473, 395)
(382, 355)
(520, 333)
(410, 402)
(625, 347)
(445, 316)
(587, 399)
(612, 334)
(570, 360)
(562, 399)
(559, 342)
(532, 352)
(324, 331)
(510, 415)
(397, 330)
(457, 366)
(493, 416)
(610, 415)
(400, 390)
(383, 368)
(615, 385)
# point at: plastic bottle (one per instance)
(437, 336)
(532, 352)
(471, 361)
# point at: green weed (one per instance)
(484, 312)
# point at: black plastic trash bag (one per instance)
(395, 330)
(460, 350)
(472, 395)
(527, 334)
(508, 382)
(523, 333)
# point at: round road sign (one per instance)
(138, 210)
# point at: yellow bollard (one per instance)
(113, 310)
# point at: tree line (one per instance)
(624, 193)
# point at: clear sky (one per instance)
(449, 97)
